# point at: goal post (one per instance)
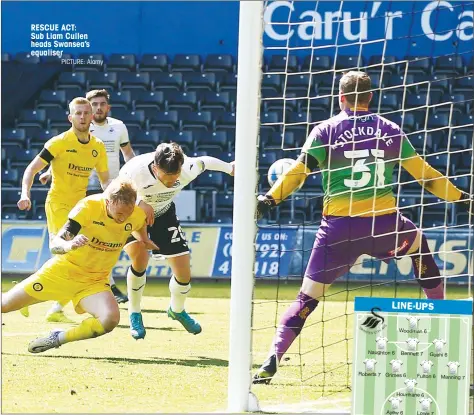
(250, 54)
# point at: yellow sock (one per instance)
(88, 329)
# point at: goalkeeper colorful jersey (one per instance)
(357, 154)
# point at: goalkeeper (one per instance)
(356, 152)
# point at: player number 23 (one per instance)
(360, 167)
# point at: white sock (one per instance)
(135, 288)
(56, 308)
(179, 292)
(111, 280)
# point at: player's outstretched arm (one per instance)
(28, 176)
(215, 164)
(142, 236)
(432, 180)
(68, 239)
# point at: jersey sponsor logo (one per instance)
(37, 286)
(95, 153)
(103, 244)
(72, 150)
(128, 227)
(98, 223)
(399, 248)
(73, 166)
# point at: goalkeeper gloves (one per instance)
(264, 204)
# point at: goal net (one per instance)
(419, 56)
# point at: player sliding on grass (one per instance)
(356, 152)
(159, 177)
(86, 249)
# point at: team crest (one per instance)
(128, 227)
(111, 130)
(373, 323)
(95, 153)
(37, 286)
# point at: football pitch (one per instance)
(173, 371)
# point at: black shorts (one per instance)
(166, 232)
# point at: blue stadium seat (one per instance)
(228, 82)
(458, 100)
(38, 196)
(409, 207)
(402, 81)
(10, 177)
(436, 215)
(274, 101)
(25, 57)
(388, 62)
(186, 63)
(13, 137)
(267, 158)
(278, 140)
(132, 80)
(11, 214)
(197, 120)
(39, 214)
(166, 80)
(464, 84)
(39, 137)
(224, 201)
(146, 137)
(299, 84)
(298, 121)
(21, 157)
(73, 80)
(419, 65)
(324, 84)
(206, 140)
(405, 121)
(58, 118)
(10, 196)
(271, 120)
(154, 62)
(449, 64)
(349, 62)
(180, 100)
(209, 180)
(319, 104)
(129, 118)
(313, 183)
(184, 138)
(465, 123)
(226, 121)
(438, 121)
(143, 148)
(423, 143)
(222, 217)
(210, 100)
(420, 117)
(165, 120)
(458, 142)
(437, 83)
(462, 182)
(416, 100)
(102, 80)
(199, 81)
(121, 99)
(282, 63)
(466, 162)
(92, 62)
(121, 62)
(55, 60)
(440, 162)
(389, 102)
(149, 99)
(271, 82)
(315, 63)
(32, 118)
(49, 98)
(218, 63)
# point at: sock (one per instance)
(425, 270)
(136, 282)
(179, 292)
(88, 329)
(57, 307)
(292, 323)
(111, 280)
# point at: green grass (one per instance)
(173, 371)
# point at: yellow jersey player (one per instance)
(72, 155)
(86, 248)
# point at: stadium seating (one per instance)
(191, 99)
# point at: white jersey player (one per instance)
(381, 343)
(395, 401)
(410, 384)
(159, 177)
(114, 134)
(426, 365)
(370, 365)
(396, 365)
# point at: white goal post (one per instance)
(250, 55)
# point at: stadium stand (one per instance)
(191, 99)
